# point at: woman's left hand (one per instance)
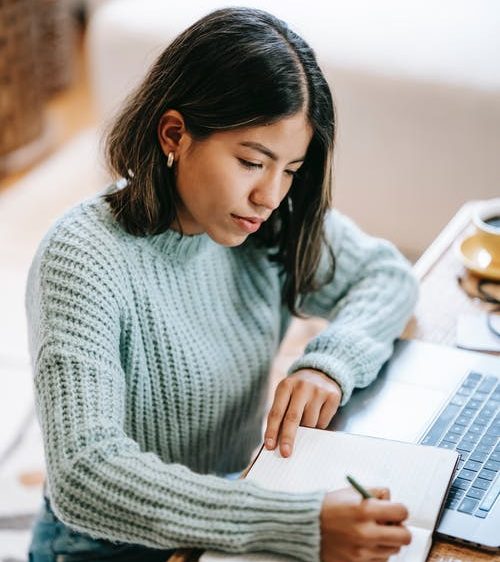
(308, 397)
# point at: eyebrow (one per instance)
(266, 151)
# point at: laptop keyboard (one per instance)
(470, 425)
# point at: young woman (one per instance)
(155, 311)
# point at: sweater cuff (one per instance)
(339, 369)
(293, 522)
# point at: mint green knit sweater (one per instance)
(151, 358)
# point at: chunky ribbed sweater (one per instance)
(151, 358)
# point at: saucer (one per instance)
(478, 258)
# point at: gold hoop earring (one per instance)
(170, 159)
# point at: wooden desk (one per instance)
(441, 301)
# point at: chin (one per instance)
(228, 239)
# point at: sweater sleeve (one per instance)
(368, 304)
(100, 482)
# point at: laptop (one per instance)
(444, 397)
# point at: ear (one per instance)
(171, 131)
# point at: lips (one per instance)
(248, 224)
(250, 219)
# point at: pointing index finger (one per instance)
(275, 416)
(291, 422)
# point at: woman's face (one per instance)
(231, 182)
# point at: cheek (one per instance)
(228, 186)
(192, 183)
(213, 184)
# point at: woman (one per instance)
(155, 311)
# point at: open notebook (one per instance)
(417, 476)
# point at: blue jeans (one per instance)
(53, 541)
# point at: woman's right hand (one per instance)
(358, 531)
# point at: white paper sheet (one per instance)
(417, 476)
(473, 333)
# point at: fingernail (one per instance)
(285, 450)
(269, 443)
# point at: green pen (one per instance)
(366, 495)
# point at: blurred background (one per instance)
(417, 90)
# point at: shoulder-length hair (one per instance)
(235, 67)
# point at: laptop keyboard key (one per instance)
(441, 424)
(483, 448)
(491, 465)
(430, 439)
(487, 474)
(473, 404)
(473, 465)
(494, 430)
(468, 505)
(461, 484)
(487, 412)
(465, 446)
(456, 493)
(483, 419)
(447, 445)
(475, 493)
(495, 456)
(488, 384)
(463, 420)
(469, 412)
(481, 483)
(452, 437)
(491, 496)
(471, 436)
(458, 400)
(479, 456)
(488, 440)
(467, 474)
(453, 503)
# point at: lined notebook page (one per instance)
(417, 476)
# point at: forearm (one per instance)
(364, 323)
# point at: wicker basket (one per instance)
(56, 39)
(21, 94)
(36, 56)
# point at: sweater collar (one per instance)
(179, 245)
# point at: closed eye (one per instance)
(249, 165)
(253, 165)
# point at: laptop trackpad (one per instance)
(397, 411)
(408, 393)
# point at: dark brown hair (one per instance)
(236, 67)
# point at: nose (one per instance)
(269, 192)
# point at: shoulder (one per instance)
(355, 250)
(86, 239)
(90, 221)
(345, 236)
